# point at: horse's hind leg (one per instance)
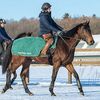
(14, 77)
(23, 75)
(54, 75)
(14, 64)
(72, 71)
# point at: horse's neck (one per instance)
(73, 41)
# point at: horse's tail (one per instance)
(7, 58)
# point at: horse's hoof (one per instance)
(2, 91)
(11, 88)
(82, 93)
(30, 94)
(53, 94)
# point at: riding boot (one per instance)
(45, 49)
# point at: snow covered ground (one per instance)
(40, 77)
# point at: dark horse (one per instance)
(62, 55)
(24, 34)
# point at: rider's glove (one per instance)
(59, 33)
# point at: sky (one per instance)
(17, 9)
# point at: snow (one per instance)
(40, 77)
(96, 38)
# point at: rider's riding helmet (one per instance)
(2, 21)
(45, 6)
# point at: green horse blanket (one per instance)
(28, 46)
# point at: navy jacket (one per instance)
(47, 24)
(3, 35)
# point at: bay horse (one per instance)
(63, 55)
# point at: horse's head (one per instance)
(29, 34)
(84, 33)
(24, 34)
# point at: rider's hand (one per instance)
(59, 33)
(8, 41)
(63, 30)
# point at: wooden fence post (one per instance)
(69, 78)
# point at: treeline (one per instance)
(32, 25)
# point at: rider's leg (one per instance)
(45, 49)
(1, 48)
(49, 40)
(1, 52)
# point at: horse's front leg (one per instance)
(13, 79)
(71, 69)
(8, 81)
(54, 75)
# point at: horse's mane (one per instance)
(72, 31)
(22, 35)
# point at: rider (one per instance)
(47, 26)
(4, 37)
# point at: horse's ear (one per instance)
(88, 21)
(29, 33)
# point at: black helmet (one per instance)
(2, 21)
(45, 6)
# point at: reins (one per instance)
(72, 47)
(69, 38)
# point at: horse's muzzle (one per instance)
(91, 42)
